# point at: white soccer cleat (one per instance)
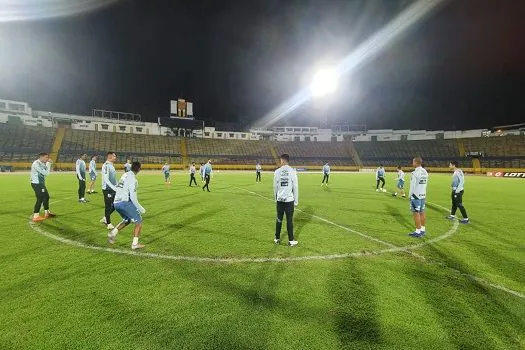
(377, 190)
(276, 241)
(137, 246)
(110, 227)
(293, 243)
(112, 235)
(384, 190)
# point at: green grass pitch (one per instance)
(462, 288)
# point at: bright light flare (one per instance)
(324, 83)
(366, 51)
(23, 10)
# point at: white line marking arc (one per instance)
(392, 248)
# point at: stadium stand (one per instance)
(229, 151)
(316, 153)
(499, 152)
(435, 153)
(148, 149)
(20, 143)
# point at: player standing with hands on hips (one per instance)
(286, 195)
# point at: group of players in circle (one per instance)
(121, 195)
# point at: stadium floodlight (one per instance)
(324, 83)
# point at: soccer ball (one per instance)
(384, 190)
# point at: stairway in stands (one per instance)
(274, 154)
(57, 143)
(352, 152)
(184, 151)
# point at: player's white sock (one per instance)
(135, 241)
(46, 212)
(418, 230)
(423, 228)
(114, 232)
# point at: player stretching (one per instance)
(326, 174)
(400, 182)
(458, 188)
(39, 170)
(192, 174)
(258, 169)
(127, 166)
(80, 167)
(380, 177)
(418, 194)
(109, 188)
(207, 174)
(128, 206)
(92, 174)
(166, 171)
(286, 194)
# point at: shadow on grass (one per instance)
(356, 318)
(301, 219)
(470, 312)
(505, 265)
(400, 218)
(179, 225)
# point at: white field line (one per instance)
(391, 249)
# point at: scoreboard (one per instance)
(181, 108)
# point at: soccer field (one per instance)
(211, 277)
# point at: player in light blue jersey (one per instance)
(128, 206)
(92, 174)
(380, 177)
(400, 182)
(207, 174)
(326, 174)
(458, 188)
(109, 188)
(418, 195)
(166, 172)
(40, 169)
(80, 167)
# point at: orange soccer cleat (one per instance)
(38, 218)
(50, 215)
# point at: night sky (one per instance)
(464, 67)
